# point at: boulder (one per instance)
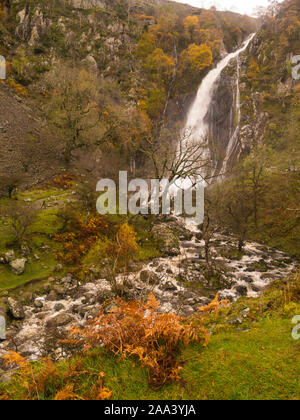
(9, 256)
(149, 277)
(52, 297)
(168, 242)
(18, 266)
(59, 307)
(38, 304)
(16, 309)
(169, 286)
(59, 320)
(2, 327)
(242, 290)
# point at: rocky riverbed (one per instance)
(179, 281)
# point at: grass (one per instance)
(35, 270)
(257, 360)
(40, 194)
(40, 233)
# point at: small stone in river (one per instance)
(242, 290)
(16, 309)
(52, 297)
(147, 276)
(59, 307)
(38, 304)
(169, 286)
(59, 320)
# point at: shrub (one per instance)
(137, 329)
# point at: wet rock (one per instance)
(160, 269)
(169, 286)
(134, 267)
(38, 304)
(59, 290)
(16, 309)
(149, 277)
(59, 320)
(187, 311)
(247, 279)
(166, 308)
(18, 266)
(59, 307)
(242, 290)
(52, 297)
(168, 242)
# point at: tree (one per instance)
(9, 183)
(174, 156)
(74, 111)
(160, 67)
(20, 217)
(125, 247)
(237, 207)
(191, 26)
(197, 57)
(256, 166)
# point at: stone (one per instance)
(59, 307)
(2, 327)
(242, 290)
(52, 297)
(59, 320)
(59, 290)
(38, 304)
(168, 242)
(18, 266)
(58, 267)
(16, 309)
(169, 286)
(149, 277)
(9, 256)
(25, 250)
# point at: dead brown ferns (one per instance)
(137, 329)
(46, 381)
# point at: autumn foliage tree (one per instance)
(73, 110)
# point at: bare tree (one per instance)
(237, 207)
(20, 217)
(176, 156)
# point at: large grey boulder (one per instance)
(60, 320)
(18, 266)
(9, 256)
(168, 241)
(16, 308)
(2, 327)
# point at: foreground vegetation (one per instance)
(251, 355)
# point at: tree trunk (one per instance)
(241, 245)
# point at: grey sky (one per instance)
(240, 6)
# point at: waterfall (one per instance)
(197, 125)
(234, 140)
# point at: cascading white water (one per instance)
(233, 143)
(196, 123)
